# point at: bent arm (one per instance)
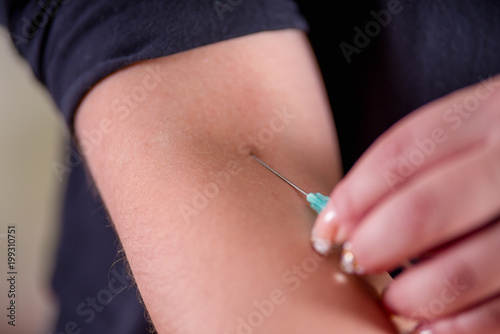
(217, 243)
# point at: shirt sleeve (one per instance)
(72, 44)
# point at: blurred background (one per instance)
(32, 136)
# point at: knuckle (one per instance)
(462, 275)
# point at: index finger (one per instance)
(433, 133)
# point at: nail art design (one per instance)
(322, 246)
(348, 262)
(425, 331)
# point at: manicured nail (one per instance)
(348, 262)
(425, 331)
(324, 231)
(341, 235)
(405, 325)
(322, 246)
(326, 225)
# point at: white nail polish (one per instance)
(329, 216)
(322, 246)
(348, 262)
(425, 331)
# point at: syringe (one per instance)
(317, 201)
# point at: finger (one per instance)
(484, 319)
(429, 135)
(444, 203)
(457, 278)
(323, 235)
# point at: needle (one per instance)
(278, 174)
(317, 201)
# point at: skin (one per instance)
(442, 209)
(204, 263)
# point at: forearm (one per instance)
(208, 231)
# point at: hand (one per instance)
(429, 189)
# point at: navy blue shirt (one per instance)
(420, 51)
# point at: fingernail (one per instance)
(405, 325)
(322, 246)
(323, 232)
(348, 262)
(425, 331)
(326, 225)
(341, 235)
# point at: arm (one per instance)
(213, 238)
